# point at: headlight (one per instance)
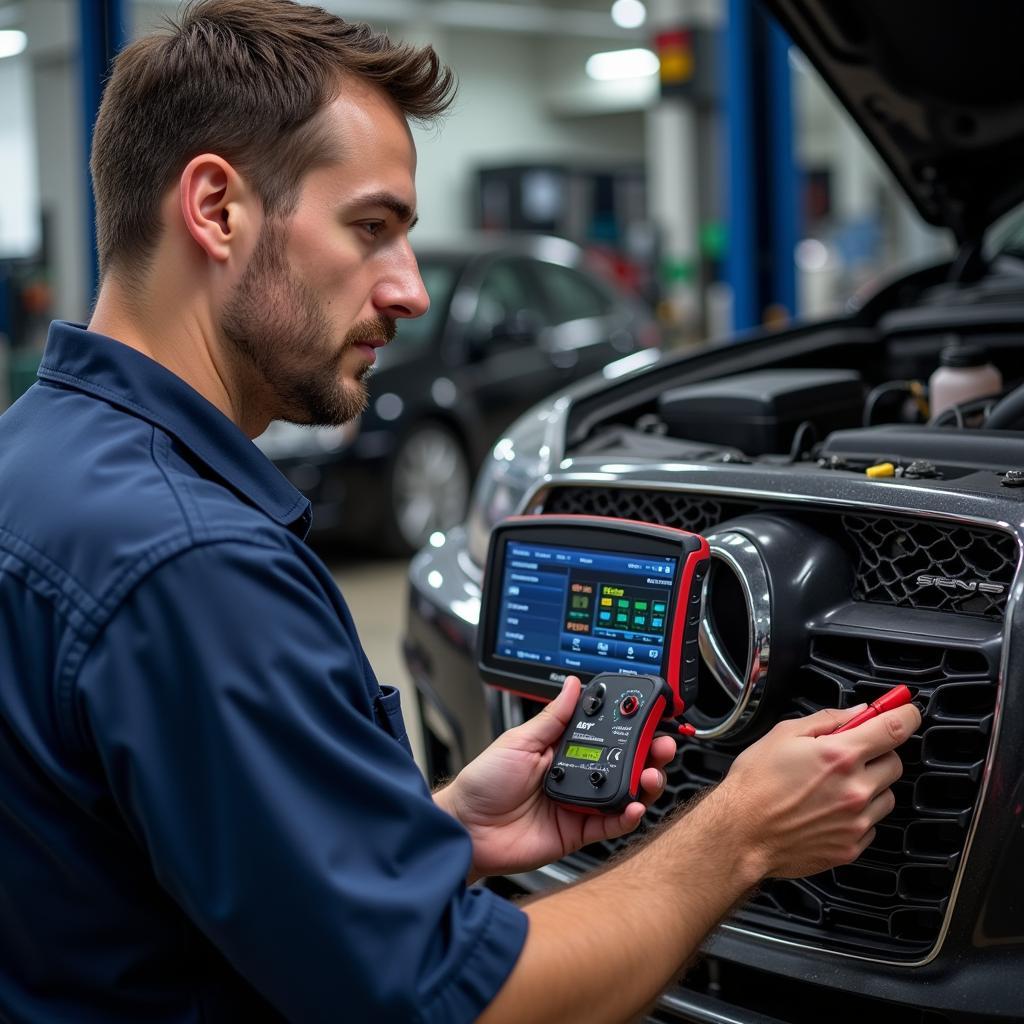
(521, 457)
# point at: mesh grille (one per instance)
(890, 555)
(695, 513)
(893, 899)
(893, 554)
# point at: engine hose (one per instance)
(1008, 413)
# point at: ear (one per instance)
(216, 206)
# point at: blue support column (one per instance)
(784, 195)
(102, 32)
(763, 187)
(741, 244)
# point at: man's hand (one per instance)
(499, 797)
(810, 800)
(796, 802)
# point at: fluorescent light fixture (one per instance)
(629, 13)
(12, 42)
(618, 64)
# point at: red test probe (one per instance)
(894, 698)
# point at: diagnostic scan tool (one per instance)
(615, 602)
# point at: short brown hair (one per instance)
(243, 79)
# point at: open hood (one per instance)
(937, 86)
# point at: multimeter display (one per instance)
(583, 610)
(584, 753)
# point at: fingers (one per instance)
(883, 771)
(652, 784)
(599, 826)
(652, 778)
(821, 723)
(881, 807)
(865, 841)
(545, 729)
(884, 733)
(663, 749)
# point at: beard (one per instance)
(281, 338)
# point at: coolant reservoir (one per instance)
(964, 374)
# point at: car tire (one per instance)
(428, 486)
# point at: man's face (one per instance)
(325, 286)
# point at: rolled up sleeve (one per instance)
(229, 703)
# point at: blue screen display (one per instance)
(581, 610)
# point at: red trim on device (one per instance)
(675, 654)
(644, 743)
(682, 593)
(580, 809)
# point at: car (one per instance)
(512, 318)
(854, 545)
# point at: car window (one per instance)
(572, 295)
(505, 297)
(439, 280)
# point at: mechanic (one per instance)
(208, 806)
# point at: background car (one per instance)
(511, 320)
(855, 545)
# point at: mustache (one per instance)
(368, 331)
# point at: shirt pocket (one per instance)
(387, 713)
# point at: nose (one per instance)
(402, 294)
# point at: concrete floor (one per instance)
(376, 594)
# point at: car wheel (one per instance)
(429, 486)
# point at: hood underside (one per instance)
(937, 86)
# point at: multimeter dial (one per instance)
(631, 702)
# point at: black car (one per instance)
(855, 545)
(511, 320)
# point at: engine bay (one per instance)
(853, 404)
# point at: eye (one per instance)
(373, 227)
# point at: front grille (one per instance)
(889, 555)
(696, 513)
(893, 554)
(891, 903)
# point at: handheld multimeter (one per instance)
(614, 602)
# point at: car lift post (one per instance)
(763, 177)
(102, 32)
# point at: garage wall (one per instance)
(56, 108)
(503, 114)
(523, 98)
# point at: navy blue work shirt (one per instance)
(208, 809)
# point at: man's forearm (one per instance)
(608, 945)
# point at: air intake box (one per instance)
(759, 412)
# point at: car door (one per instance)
(504, 368)
(588, 325)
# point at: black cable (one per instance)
(1008, 413)
(952, 412)
(801, 442)
(906, 386)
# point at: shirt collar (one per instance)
(107, 369)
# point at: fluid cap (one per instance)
(963, 356)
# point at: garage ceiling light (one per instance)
(617, 64)
(629, 13)
(12, 42)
